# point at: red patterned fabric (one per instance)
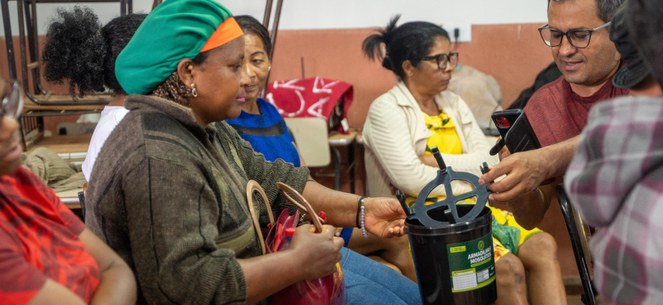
(39, 240)
(311, 97)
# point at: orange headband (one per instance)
(227, 31)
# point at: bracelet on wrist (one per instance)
(361, 217)
(360, 202)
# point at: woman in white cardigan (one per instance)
(395, 137)
(397, 133)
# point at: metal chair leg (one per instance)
(337, 168)
(351, 166)
(81, 201)
(589, 295)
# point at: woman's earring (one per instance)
(194, 92)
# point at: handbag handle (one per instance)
(254, 187)
(301, 203)
(251, 188)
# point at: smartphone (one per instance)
(516, 132)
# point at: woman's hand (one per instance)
(310, 256)
(384, 217)
(317, 253)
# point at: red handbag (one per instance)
(327, 290)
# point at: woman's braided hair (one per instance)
(174, 89)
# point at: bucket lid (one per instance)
(421, 213)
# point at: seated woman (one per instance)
(418, 113)
(261, 125)
(46, 253)
(168, 190)
(64, 58)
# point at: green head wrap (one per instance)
(175, 30)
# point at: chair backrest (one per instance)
(81, 201)
(311, 138)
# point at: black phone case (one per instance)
(515, 130)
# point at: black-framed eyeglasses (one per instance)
(578, 38)
(443, 59)
(12, 103)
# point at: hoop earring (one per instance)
(194, 92)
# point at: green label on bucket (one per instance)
(473, 267)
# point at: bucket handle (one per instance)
(445, 175)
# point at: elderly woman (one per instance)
(168, 190)
(46, 253)
(260, 123)
(419, 113)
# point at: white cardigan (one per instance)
(395, 135)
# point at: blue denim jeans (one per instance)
(369, 282)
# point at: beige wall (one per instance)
(513, 54)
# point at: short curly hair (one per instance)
(80, 51)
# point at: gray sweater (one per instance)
(169, 197)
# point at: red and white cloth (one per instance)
(311, 97)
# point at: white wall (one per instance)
(325, 14)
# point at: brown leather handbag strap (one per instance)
(251, 188)
(298, 200)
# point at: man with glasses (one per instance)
(577, 33)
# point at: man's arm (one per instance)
(529, 215)
(525, 171)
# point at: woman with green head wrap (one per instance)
(168, 188)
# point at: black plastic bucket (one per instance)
(455, 263)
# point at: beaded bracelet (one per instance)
(360, 202)
(361, 217)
